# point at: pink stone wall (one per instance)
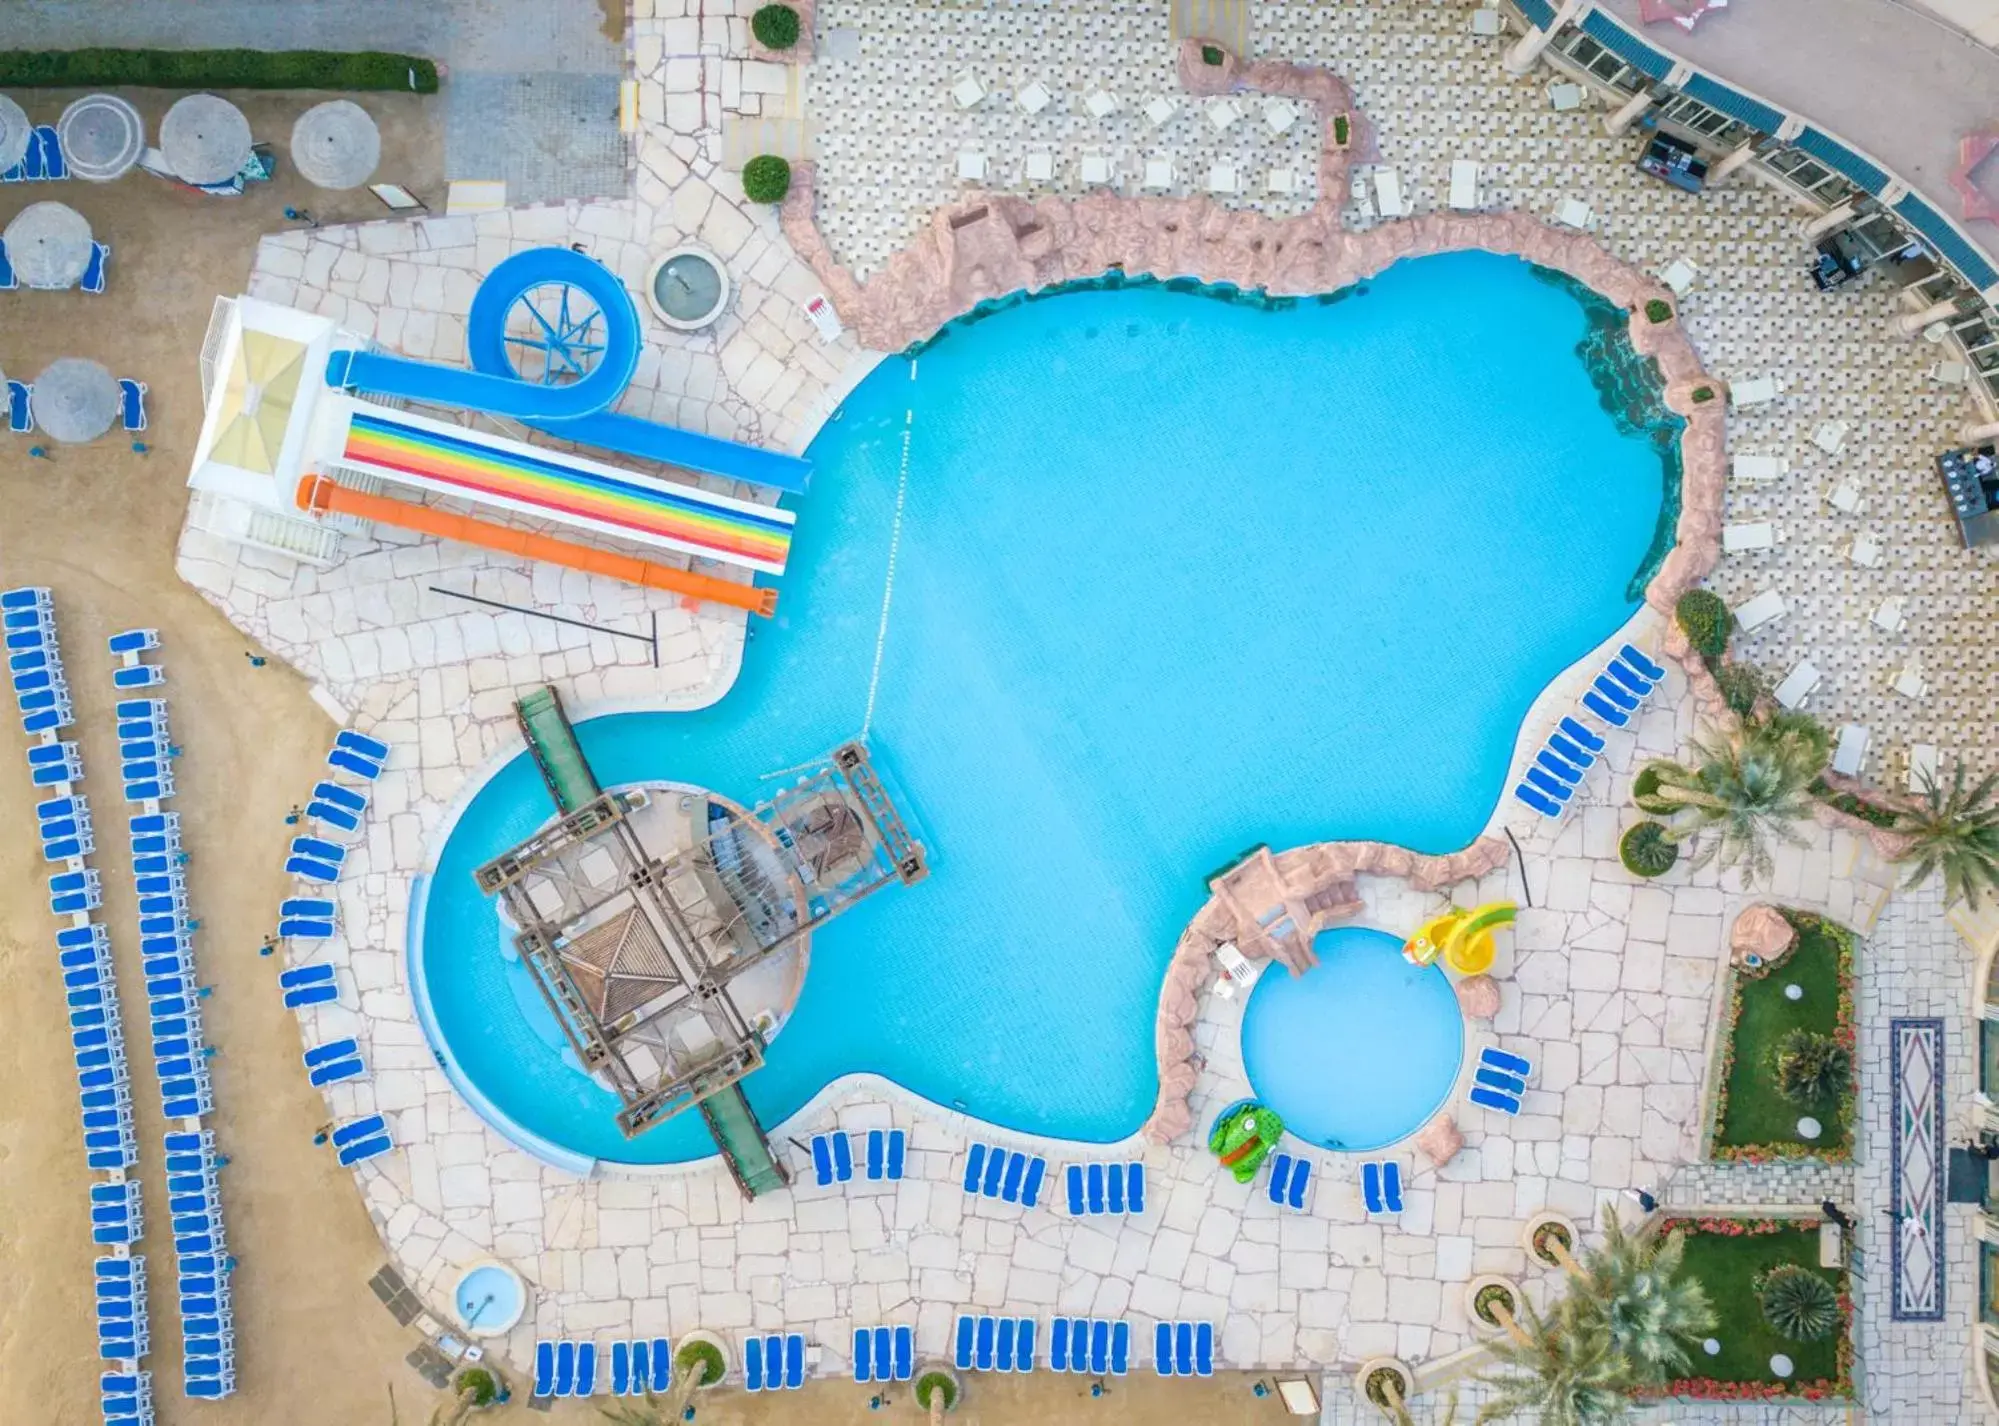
(990, 245)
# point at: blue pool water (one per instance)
(1176, 576)
(1360, 1050)
(489, 1297)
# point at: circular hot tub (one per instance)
(687, 289)
(489, 1300)
(1359, 1051)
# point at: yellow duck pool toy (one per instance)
(1462, 938)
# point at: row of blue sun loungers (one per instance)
(774, 1362)
(1500, 1081)
(363, 1138)
(1098, 1189)
(833, 1156)
(203, 1264)
(126, 1397)
(123, 1332)
(34, 662)
(146, 750)
(1005, 1174)
(1381, 1186)
(1093, 1345)
(1290, 1178)
(884, 1353)
(1550, 781)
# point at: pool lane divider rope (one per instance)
(894, 548)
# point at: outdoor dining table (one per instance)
(48, 245)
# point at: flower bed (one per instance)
(1752, 1120)
(1727, 1256)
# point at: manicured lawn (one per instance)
(1754, 1113)
(1728, 1267)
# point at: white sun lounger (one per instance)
(1464, 184)
(966, 91)
(1760, 610)
(1748, 535)
(1759, 469)
(1922, 766)
(1574, 213)
(1798, 684)
(1679, 276)
(1757, 391)
(1852, 750)
(1388, 192)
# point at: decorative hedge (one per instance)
(1816, 937)
(766, 179)
(1706, 621)
(1658, 311)
(216, 69)
(775, 26)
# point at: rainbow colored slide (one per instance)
(491, 470)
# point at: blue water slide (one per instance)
(577, 410)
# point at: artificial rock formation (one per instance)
(1478, 997)
(1440, 1140)
(1761, 931)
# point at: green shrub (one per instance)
(1811, 1068)
(1658, 311)
(1741, 685)
(1871, 813)
(766, 179)
(215, 69)
(1706, 622)
(1342, 127)
(1647, 851)
(1798, 1303)
(775, 26)
(931, 1382)
(1211, 54)
(1703, 394)
(705, 1357)
(478, 1384)
(1643, 789)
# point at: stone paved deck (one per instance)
(1608, 985)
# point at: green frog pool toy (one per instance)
(1243, 1138)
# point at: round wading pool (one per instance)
(1359, 1051)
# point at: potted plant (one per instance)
(1550, 1241)
(1386, 1383)
(1658, 311)
(1494, 1305)
(473, 1390)
(936, 1392)
(1648, 849)
(1342, 130)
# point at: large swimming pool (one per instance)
(1173, 576)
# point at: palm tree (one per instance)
(1566, 1372)
(1633, 1283)
(1957, 833)
(653, 1413)
(1743, 792)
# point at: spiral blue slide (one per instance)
(586, 329)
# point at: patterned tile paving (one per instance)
(1916, 1189)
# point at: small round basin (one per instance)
(687, 289)
(489, 1300)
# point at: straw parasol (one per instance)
(49, 245)
(75, 400)
(205, 138)
(16, 133)
(101, 137)
(257, 397)
(336, 144)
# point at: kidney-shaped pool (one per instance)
(1174, 575)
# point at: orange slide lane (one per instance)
(322, 496)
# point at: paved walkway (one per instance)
(1897, 82)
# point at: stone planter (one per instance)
(927, 1369)
(697, 1335)
(1339, 130)
(1537, 1228)
(1494, 1326)
(687, 288)
(1377, 1372)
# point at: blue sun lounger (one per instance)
(133, 641)
(832, 1158)
(8, 281)
(310, 870)
(1184, 1348)
(1505, 1062)
(1604, 684)
(1381, 1185)
(1289, 1178)
(1604, 709)
(132, 404)
(332, 1062)
(372, 749)
(884, 1353)
(544, 1369)
(888, 1152)
(345, 761)
(361, 1139)
(138, 675)
(1639, 660)
(1487, 1098)
(774, 1362)
(308, 985)
(338, 818)
(1629, 679)
(93, 274)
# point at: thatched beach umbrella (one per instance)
(336, 145)
(101, 137)
(15, 133)
(205, 138)
(75, 400)
(49, 245)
